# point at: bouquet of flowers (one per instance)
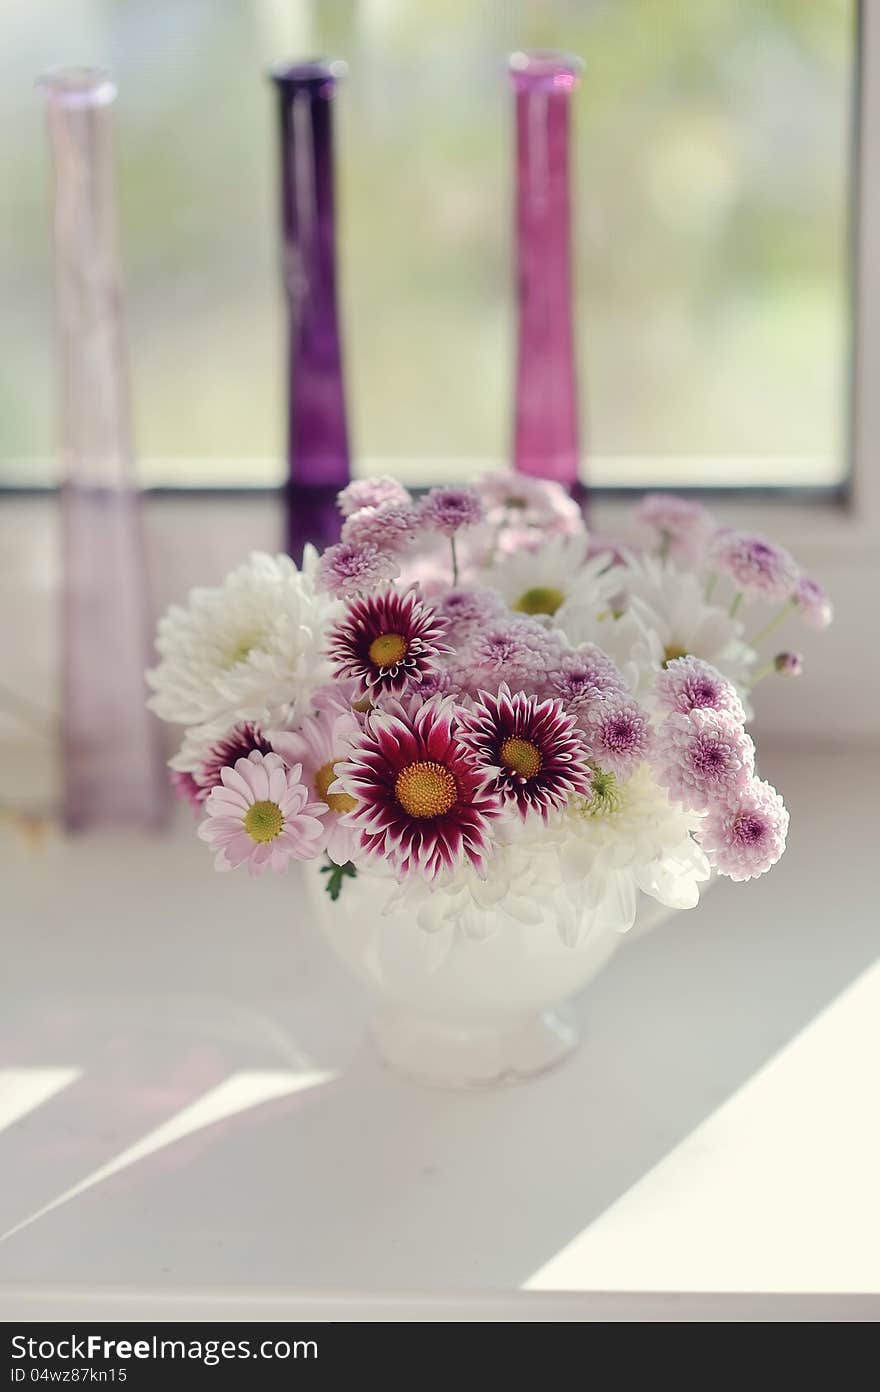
(479, 701)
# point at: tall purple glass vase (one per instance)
(546, 439)
(317, 434)
(111, 761)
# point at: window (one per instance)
(713, 169)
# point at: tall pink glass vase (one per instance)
(546, 437)
(317, 432)
(111, 763)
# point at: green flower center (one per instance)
(263, 821)
(606, 795)
(242, 651)
(543, 599)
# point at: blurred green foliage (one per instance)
(713, 182)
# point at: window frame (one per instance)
(835, 533)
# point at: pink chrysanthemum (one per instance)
(442, 681)
(467, 612)
(812, 600)
(618, 734)
(530, 505)
(422, 805)
(518, 651)
(616, 553)
(371, 492)
(703, 759)
(351, 568)
(745, 837)
(336, 696)
(584, 675)
(260, 815)
(387, 642)
(392, 527)
(531, 750)
(680, 526)
(688, 683)
(320, 743)
(759, 568)
(447, 510)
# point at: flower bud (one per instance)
(789, 664)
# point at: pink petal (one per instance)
(292, 747)
(239, 850)
(231, 778)
(223, 803)
(278, 784)
(258, 777)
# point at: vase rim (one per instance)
(78, 86)
(544, 68)
(308, 72)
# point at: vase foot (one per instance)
(449, 1054)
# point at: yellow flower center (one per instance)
(672, 652)
(337, 802)
(263, 821)
(521, 756)
(387, 650)
(426, 789)
(543, 599)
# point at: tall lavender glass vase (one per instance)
(317, 434)
(546, 439)
(111, 762)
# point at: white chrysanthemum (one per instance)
(616, 633)
(554, 575)
(629, 838)
(251, 649)
(523, 878)
(665, 615)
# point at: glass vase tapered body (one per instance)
(111, 761)
(317, 432)
(546, 436)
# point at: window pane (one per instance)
(713, 171)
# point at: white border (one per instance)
(117, 1303)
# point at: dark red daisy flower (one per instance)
(241, 741)
(187, 789)
(422, 805)
(387, 642)
(531, 749)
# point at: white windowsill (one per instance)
(714, 1134)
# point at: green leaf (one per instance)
(336, 876)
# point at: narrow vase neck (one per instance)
(546, 438)
(317, 436)
(93, 378)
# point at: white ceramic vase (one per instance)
(456, 1010)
